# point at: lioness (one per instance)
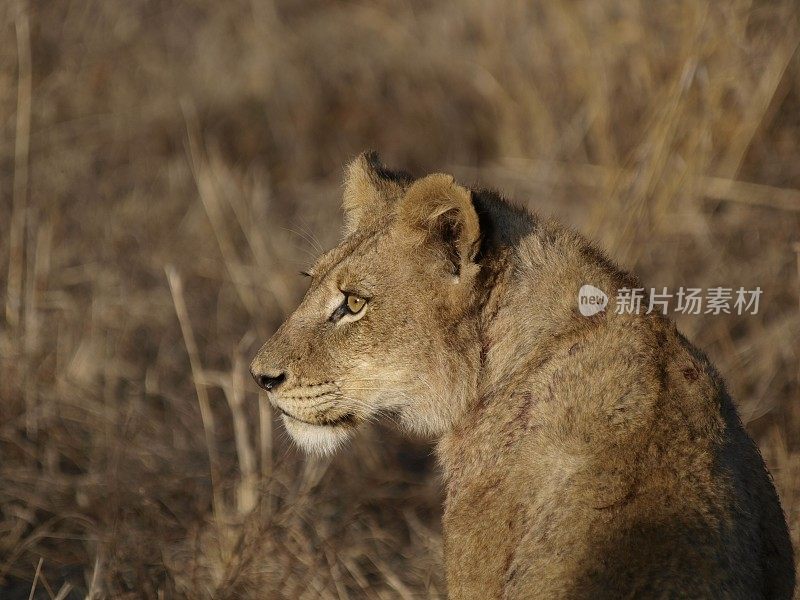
(583, 456)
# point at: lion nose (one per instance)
(268, 381)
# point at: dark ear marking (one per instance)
(379, 170)
(478, 200)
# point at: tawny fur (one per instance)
(583, 457)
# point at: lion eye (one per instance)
(352, 307)
(354, 303)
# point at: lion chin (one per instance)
(321, 440)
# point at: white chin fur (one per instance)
(317, 439)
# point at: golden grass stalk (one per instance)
(248, 484)
(206, 413)
(21, 155)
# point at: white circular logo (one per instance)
(591, 300)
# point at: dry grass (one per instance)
(166, 168)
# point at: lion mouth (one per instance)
(347, 420)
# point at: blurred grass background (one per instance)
(166, 168)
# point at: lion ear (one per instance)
(370, 189)
(443, 211)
